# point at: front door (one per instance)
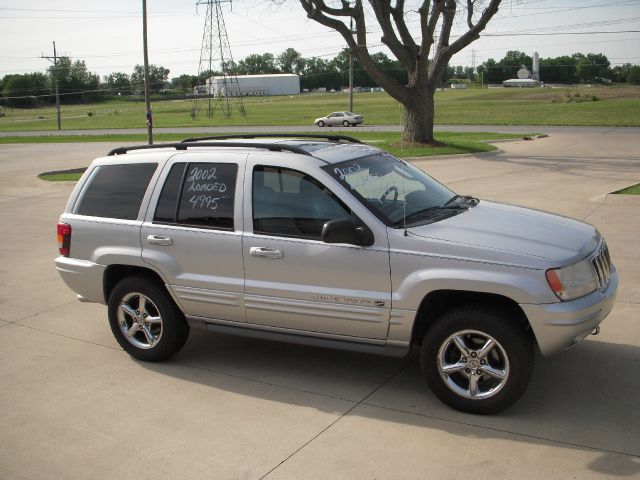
(295, 281)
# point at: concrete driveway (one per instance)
(74, 405)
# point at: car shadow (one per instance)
(583, 399)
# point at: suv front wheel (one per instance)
(477, 359)
(145, 321)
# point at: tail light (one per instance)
(64, 239)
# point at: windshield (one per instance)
(395, 191)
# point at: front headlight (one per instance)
(574, 281)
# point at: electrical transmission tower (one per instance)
(223, 93)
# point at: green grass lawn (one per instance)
(597, 105)
(632, 190)
(60, 177)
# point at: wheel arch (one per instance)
(437, 302)
(115, 273)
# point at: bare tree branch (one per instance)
(428, 22)
(448, 16)
(474, 32)
(405, 35)
(382, 9)
(470, 5)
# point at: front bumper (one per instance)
(559, 326)
(83, 277)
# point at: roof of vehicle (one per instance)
(327, 148)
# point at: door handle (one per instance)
(159, 240)
(266, 252)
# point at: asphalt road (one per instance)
(73, 405)
(344, 130)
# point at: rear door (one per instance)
(192, 234)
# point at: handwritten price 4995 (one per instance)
(204, 201)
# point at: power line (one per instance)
(67, 10)
(562, 10)
(556, 33)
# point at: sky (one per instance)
(108, 35)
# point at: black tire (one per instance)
(474, 326)
(321, 123)
(163, 330)
(345, 123)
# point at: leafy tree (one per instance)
(185, 83)
(470, 74)
(27, 90)
(75, 82)
(559, 70)
(257, 64)
(317, 73)
(513, 61)
(633, 76)
(591, 66)
(619, 73)
(492, 71)
(290, 61)
(158, 75)
(340, 64)
(417, 96)
(118, 83)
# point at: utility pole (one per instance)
(147, 101)
(351, 71)
(55, 81)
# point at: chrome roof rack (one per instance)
(277, 147)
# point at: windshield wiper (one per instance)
(459, 199)
(430, 212)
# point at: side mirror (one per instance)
(346, 231)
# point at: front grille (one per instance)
(602, 265)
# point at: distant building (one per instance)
(252, 85)
(521, 82)
(524, 79)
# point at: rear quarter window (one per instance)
(115, 191)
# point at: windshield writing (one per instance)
(391, 188)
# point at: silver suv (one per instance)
(326, 241)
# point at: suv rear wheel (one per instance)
(145, 321)
(477, 359)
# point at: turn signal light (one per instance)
(64, 239)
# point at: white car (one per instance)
(339, 118)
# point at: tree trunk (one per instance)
(418, 117)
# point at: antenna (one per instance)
(220, 90)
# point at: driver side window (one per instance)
(290, 203)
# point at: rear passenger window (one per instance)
(116, 191)
(198, 194)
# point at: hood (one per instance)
(509, 233)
